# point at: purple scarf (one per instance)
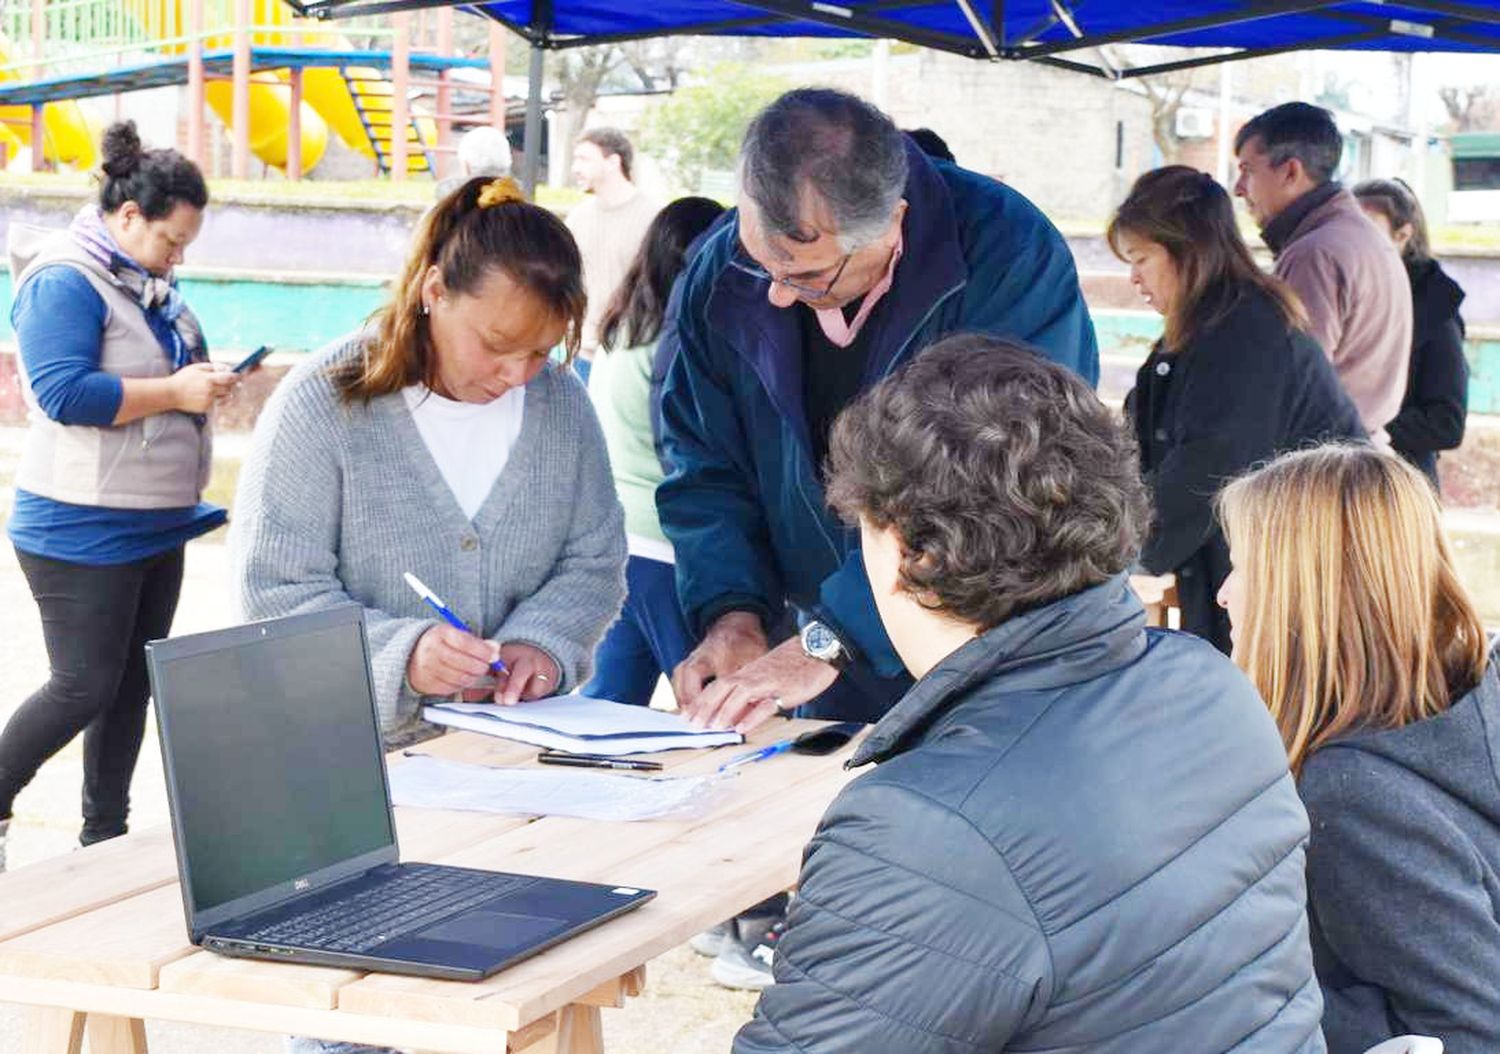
(157, 296)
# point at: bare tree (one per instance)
(644, 65)
(580, 72)
(1471, 108)
(1165, 91)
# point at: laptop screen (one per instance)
(273, 754)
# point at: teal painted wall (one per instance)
(241, 315)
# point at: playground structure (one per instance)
(280, 84)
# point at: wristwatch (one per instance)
(821, 643)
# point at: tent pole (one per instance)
(533, 141)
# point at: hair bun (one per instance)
(499, 191)
(122, 150)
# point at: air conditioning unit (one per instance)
(1194, 123)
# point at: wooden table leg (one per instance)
(580, 1030)
(50, 1030)
(116, 1035)
(575, 1029)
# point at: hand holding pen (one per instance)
(450, 659)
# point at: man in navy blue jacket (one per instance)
(850, 252)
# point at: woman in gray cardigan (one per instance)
(442, 442)
(1350, 619)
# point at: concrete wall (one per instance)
(1015, 121)
(271, 236)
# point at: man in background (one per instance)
(1346, 272)
(609, 224)
(482, 151)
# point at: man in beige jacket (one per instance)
(1347, 274)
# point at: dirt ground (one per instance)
(681, 1012)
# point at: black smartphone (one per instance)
(249, 362)
(826, 740)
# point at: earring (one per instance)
(426, 310)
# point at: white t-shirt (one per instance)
(471, 442)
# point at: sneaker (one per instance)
(304, 1045)
(711, 941)
(746, 964)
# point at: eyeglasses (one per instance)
(808, 291)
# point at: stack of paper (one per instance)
(436, 783)
(581, 725)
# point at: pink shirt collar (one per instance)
(842, 333)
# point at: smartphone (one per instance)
(826, 740)
(249, 362)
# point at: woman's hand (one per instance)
(196, 387)
(448, 660)
(532, 675)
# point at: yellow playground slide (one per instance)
(270, 100)
(325, 90)
(328, 96)
(69, 134)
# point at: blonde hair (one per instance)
(1354, 615)
(486, 224)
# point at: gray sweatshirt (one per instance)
(336, 500)
(1403, 879)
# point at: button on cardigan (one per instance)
(337, 499)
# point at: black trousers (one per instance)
(96, 622)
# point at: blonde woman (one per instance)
(1349, 617)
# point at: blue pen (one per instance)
(447, 613)
(758, 755)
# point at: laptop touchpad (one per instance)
(493, 928)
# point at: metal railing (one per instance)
(80, 36)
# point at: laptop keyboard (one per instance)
(405, 903)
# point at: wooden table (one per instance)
(94, 941)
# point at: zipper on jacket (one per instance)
(819, 513)
(939, 302)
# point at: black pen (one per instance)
(595, 761)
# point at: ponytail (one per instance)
(484, 225)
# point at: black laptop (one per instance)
(282, 817)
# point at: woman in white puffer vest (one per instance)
(117, 382)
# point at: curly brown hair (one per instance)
(1009, 483)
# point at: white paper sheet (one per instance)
(435, 783)
(581, 725)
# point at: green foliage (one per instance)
(699, 128)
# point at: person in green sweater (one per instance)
(651, 636)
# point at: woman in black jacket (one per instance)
(1437, 385)
(1234, 380)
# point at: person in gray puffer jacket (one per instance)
(1081, 834)
(1392, 724)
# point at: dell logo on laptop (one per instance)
(301, 885)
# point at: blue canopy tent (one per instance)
(1049, 31)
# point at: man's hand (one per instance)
(532, 675)
(448, 660)
(781, 679)
(1152, 589)
(732, 641)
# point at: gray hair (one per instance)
(483, 151)
(838, 146)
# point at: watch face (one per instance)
(821, 641)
